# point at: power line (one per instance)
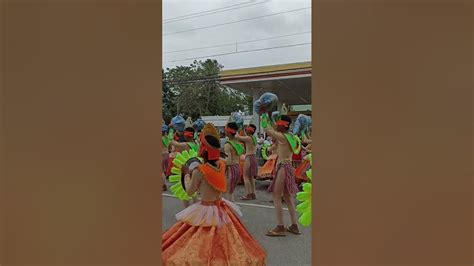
(238, 52)
(237, 21)
(212, 11)
(236, 43)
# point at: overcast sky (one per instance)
(179, 15)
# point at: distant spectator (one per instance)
(268, 141)
(223, 141)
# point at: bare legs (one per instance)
(164, 187)
(249, 182)
(277, 195)
(228, 195)
(280, 191)
(290, 202)
(252, 184)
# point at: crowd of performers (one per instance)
(201, 163)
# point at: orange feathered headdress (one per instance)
(213, 153)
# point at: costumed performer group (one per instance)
(209, 230)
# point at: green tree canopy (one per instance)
(195, 91)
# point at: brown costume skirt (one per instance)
(164, 162)
(253, 169)
(290, 183)
(233, 175)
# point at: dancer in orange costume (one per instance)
(209, 232)
(267, 170)
(283, 184)
(250, 164)
(300, 172)
(233, 150)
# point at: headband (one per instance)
(282, 123)
(250, 129)
(230, 130)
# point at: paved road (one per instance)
(259, 216)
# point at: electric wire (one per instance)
(238, 52)
(237, 21)
(212, 11)
(237, 43)
(196, 13)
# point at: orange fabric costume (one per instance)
(210, 233)
(305, 165)
(266, 171)
(300, 172)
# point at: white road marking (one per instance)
(238, 203)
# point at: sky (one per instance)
(180, 15)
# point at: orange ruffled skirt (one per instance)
(210, 233)
(266, 171)
(300, 172)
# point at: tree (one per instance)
(168, 98)
(196, 91)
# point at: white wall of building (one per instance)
(220, 121)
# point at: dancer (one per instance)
(187, 144)
(172, 149)
(242, 157)
(297, 159)
(250, 164)
(209, 232)
(302, 169)
(267, 170)
(165, 153)
(283, 184)
(233, 150)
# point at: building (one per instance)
(220, 121)
(290, 82)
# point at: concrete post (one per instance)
(256, 117)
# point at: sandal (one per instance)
(247, 197)
(277, 231)
(293, 229)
